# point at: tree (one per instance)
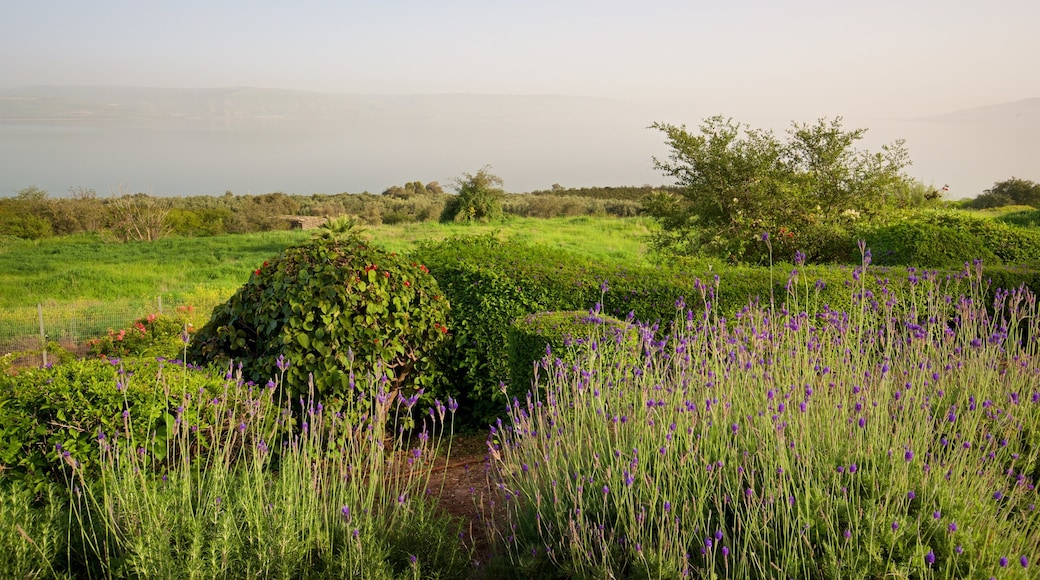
(479, 198)
(738, 183)
(139, 217)
(1019, 191)
(31, 193)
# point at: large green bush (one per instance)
(329, 308)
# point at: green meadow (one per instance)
(87, 268)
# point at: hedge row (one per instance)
(491, 283)
(948, 239)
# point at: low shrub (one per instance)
(168, 471)
(896, 438)
(50, 415)
(947, 239)
(1023, 219)
(491, 283)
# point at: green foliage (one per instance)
(1022, 219)
(925, 244)
(33, 533)
(31, 194)
(165, 472)
(478, 198)
(738, 182)
(51, 416)
(1012, 191)
(17, 219)
(797, 443)
(949, 238)
(148, 336)
(340, 226)
(558, 334)
(330, 308)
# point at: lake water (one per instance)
(209, 158)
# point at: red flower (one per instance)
(257, 272)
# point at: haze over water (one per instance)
(595, 74)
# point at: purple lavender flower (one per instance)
(929, 558)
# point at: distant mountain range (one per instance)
(1025, 111)
(100, 104)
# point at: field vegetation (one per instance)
(796, 363)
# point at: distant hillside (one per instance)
(1026, 111)
(70, 103)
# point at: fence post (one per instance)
(43, 335)
(158, 299)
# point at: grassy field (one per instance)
(86, 268)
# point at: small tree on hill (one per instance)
(479, 198)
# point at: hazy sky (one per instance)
(794, 59)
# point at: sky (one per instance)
(763, 62)
(794, 58)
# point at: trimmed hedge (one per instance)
(490, 283)
(949, 239)
(926, 244)
(535, 336)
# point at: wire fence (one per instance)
(27, 330)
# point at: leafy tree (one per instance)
(31, 193)
(1019, 191)
(479, 198)
(738, 183)
(434, 188)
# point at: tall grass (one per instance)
(899, 439)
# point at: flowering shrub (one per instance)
(152, 335)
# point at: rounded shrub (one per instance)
(558, 334)
(325, 310)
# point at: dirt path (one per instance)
(462, 490)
